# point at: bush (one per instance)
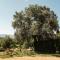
(7, 42)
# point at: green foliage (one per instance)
(7, 42)
(34, 20)
(23, 52)
(1, 44)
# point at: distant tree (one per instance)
(35, 20)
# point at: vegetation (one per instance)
(35, 29)
(36, 25)
(6, 42)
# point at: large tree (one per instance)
(35, 20)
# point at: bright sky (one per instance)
(8, 8)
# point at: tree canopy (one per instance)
(35, 20)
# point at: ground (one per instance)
(33, 58)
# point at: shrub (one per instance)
(7, 42)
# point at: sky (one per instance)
(9, 7)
